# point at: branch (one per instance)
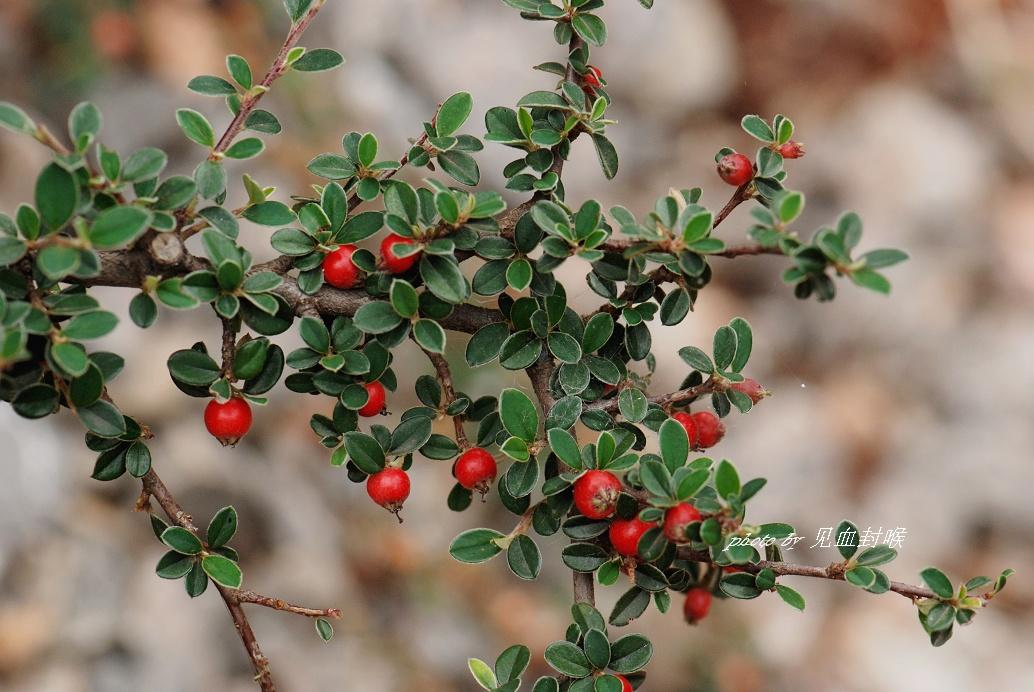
(154, 487)
(663, 400)
(444, 375)
(834, 572)
(277, 69)
(246, 596)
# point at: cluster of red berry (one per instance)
(341, 272)
(737, 169)
(475, 469)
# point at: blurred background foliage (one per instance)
(911, 411)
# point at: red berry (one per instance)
(626, 686)
(592, 77)
(751, 388)
(389, 488)
(228, 422)
(691, 428)
(338, 268)
(625, 534)
(596, 494)
(731, 569)
(375, 403)
(698, 603)
(791, 150)
(677, 521)
(392, 262)
(475, 470)
(710, 429)
(735, 169)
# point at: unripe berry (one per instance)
(791, 150)
(626, 686)
(475, 470)
(592, 77)
(375, 403)
(691, 428)
(751, 388)
(735, 169)
(228, 422)
(677, 521)
(698, 604)
(710, 429)
(389, 488)
(392, 262)
(625, 534)
(596, 494)
(338, 268)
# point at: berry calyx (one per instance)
(626, 686)
(735, 169)
(389, 488)
(375, 401)
(228, 422)
(596, 494)
(698, 604)
(677, 521)
(338, 268)
(593, 77)
(392, 262)
(710, 429)
(751, 388)
(475, 470)
(791, 150)
(625, 534)
(691, 428)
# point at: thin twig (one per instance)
(834, 572)
(246, 596)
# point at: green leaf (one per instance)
(726, 479)
(324, 629)
(222, 527)
(196, 127)
(181, 540)
(876, 555)
(598, 331)
(724, 347)
(524, 558)
(482, 673)
(565, 447)
(144, 164)
(404, 298)
(740, 585)
(15, 119)
(377, 317)
(315, 334)
(318, 60)
(430, 335)
(512, 663)
(631, 605)
(296, 9)
(696, 359)
(57, 196)
(270, 213)
(84, 123)
(565, 347)
(223, 571)
(790, 596)
(444, 278)
(90, 325)
(567, 659)
(756, 127)
(173, 565)
(847, 539)
(240, 70)
(70, 358)
(607, 155)
(591, 28)
(630, 653)
(193, 368)
(475, 545)
(938, 582)
(102, 419)
(597, 648)
(453, 113)
(887, 257)
(118, 227)
(789, 206)
(744, 343)
(872, 280)
(519, 274)
(210, 85)
(138, 459)
(518, 414)
(862, 577)
(364, 451)
(460, 166)
(247, 148)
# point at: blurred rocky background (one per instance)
(911, 411)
